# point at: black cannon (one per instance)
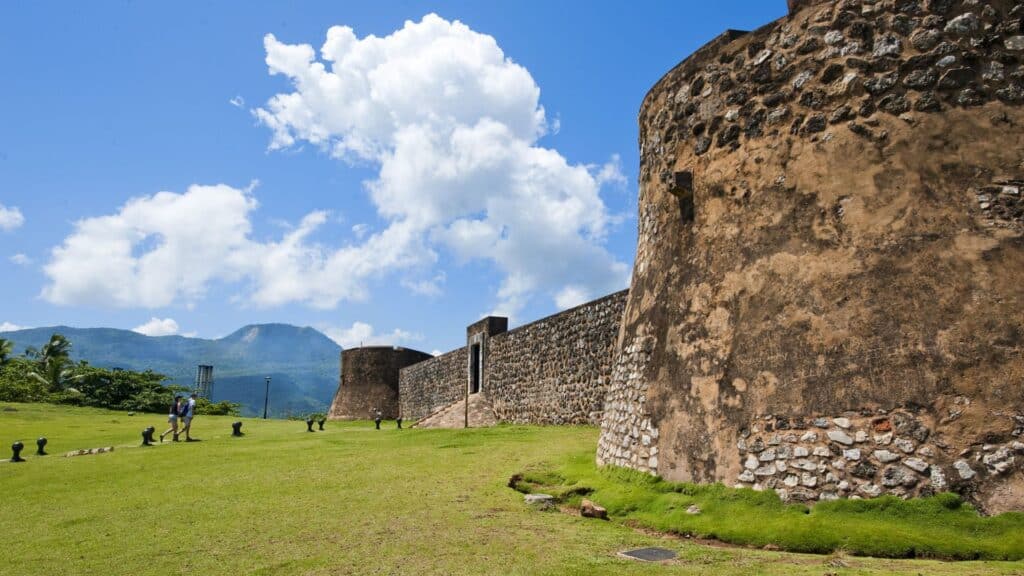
(16, 449)
(41, 447)
(236, 429)
(147, 436)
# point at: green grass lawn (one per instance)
(942, 526)
(349, 500)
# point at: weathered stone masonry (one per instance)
(556, 370)
(369, 381)
(831, 230)
(433, 384)
(553, 371)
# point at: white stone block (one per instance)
(840, 437)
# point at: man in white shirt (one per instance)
(190, 411)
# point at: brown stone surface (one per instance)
(478, 414)
(369, 381)
(431, 385)
(831, 222)
(552, 371)
(590, 510)
(555, 370)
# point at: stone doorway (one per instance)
(474, 369)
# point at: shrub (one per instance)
(222, 408)
(16, 386)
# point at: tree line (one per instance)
(48, 374)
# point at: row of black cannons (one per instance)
(147, 433)
(147, 436)
(17, 447)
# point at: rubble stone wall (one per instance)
(863, 456)
(555, 370)
(830, 223)
(431, 385)
(552, 371)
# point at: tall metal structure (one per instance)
(204, 381)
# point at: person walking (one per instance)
(190, 412)
(172, 419)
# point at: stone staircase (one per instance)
(454, 415)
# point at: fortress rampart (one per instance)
(427, 387)
(828, 292)
(552, 371)
(556, 370)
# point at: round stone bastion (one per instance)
(369, 381)
(828, 292)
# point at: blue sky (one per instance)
(173, 162)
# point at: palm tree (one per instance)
(55, 375)
(58, 348)
(6, 346)
(52, 364)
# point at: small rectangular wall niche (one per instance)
(681, 187)
(474, 369)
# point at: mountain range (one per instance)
(303, 363)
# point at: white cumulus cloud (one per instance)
(20, 259)
(361, 230)
(8, 327)
(425, 287)
(363, 334)
(571, 296)
(171, 247)
(155, 250)
(10, 218)
(158, 327)
(452, 124)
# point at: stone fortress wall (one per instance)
(552, 371)
(428, 386)
(828, 292)
(556, 370)
(369, 381)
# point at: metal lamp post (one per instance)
(266, 397)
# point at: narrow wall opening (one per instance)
(681, 186)
(474, 369)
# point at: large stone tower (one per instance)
(828, 295)
(369, 381)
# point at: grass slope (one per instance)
(938, 527)
(349, 500)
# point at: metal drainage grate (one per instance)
(649, 554)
